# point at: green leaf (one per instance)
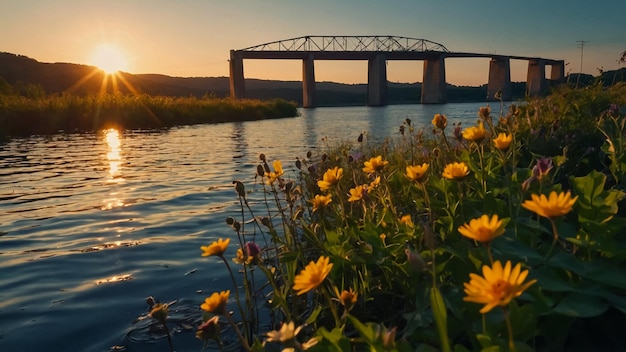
(365, 330)
(484, 340)
(548, 279)
(441, 317)
(597, 270)
(523, 321)
(334, 338)
(581, 305)
(594, 203)
(313, 317)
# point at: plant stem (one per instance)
(555, 233)
(169, 337)
(333, 309)
(236, 289)
(237, 331)
(509, 328)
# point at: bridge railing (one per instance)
(350, 44)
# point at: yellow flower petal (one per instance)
(498, 285)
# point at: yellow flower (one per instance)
(455, 171)
(286, 333)
(416, 172)
(440, 121)
(312, 275)
(278, 171)
(321, 201)
(374, 164)
(159, 312)
(357, 193)
(498, 286)
(406, 219)
(348, 299)
(550, 207)
(241, 257)
(330, 179)
(483, 229)
(216, 248)
(216, 303)
(287, 336)
(475, 133)
(503, 141)
(375, 183)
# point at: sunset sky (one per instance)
(192, 38)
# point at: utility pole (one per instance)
(581, 45)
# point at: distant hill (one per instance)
(83, 79)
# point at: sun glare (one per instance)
(109, 59)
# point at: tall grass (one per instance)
(22, 116)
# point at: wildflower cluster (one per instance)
(394, 247)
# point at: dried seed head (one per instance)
(240, 188)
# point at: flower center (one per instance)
(501, 289)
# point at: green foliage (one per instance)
(401, 269)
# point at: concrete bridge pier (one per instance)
(308, 82)
(377, 80)
(434, 81)
(499, 79)
(557, 71)
(237, 83)
(536, 84)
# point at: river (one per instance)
(92, 224)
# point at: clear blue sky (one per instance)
(192, 38)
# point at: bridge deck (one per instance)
(365, 55)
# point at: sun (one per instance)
(109, 58)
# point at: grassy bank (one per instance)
(48, 114)
(505, 235)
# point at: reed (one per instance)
(49, 114)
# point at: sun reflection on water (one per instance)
(112, 137)
(114, 159)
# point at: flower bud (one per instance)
(240, 188)
(209, 330)
(159, 312)
(151, 302)
(415, 260)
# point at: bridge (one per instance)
(377, 50)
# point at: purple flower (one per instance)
(252, 249)
(540, 170)
(543, 166)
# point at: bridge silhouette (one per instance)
(377, 50)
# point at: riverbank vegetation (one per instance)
(505, 235)
(30, 111)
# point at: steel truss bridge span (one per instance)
(320, 43)
(377, 50)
